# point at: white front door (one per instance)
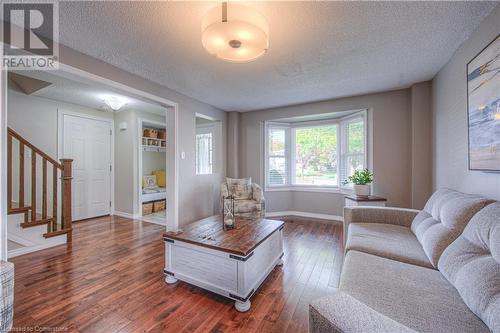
(88, 142)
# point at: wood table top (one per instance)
(365, 198)
(242, 240)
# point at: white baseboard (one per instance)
(306, 214)
(145, 219)
(137, 217)
(51, 242)
(127, 215)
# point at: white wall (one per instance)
(450, 118)
(390, 150)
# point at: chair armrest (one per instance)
(390, 215)
(342, 313)
(224, 191)
(257, 193)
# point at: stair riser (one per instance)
(33, 234)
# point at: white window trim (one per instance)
(290, 153)
(286, 127)
(205, 129)
(344, 154)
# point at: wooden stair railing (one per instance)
(31, 217)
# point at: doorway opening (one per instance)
(71, 114)
(152, 170)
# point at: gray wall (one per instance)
(233, 129)
(126, 159)
(35, 118)
(125, 156)
(152, 161)
(196, 193)
(421, 143)
(450, 118)
(390, 149)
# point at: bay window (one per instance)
(277, 147)
(314, 154)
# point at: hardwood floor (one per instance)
(111, 280)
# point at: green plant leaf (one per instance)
(359, 177)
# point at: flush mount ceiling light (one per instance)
(235, 33)
(115, 103)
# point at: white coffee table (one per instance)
(231, 263)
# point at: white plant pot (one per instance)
(362, 190)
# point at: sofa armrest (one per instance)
(342, 313)
(257, 193)
(389, 215)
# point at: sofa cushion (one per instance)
(246, 206)
(417, 297)
(472, 265)
(241, 189)
(388, 241)
(440, 196)
(443, 219)
(335, 314)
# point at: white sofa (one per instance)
(435, 270)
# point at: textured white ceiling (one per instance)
(318, 50)
(84, 94)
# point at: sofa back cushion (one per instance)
(472, 264)
(443, 219)
(241, 189)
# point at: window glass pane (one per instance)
(356, 137)
(355, 162)
(204, 153)
(277, 171)
(316, 156)
(276, 142)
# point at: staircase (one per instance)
(43, 205)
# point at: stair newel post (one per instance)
(44, 192)
(33, 187)
(66, 196)
(21, 176)
(54, 197)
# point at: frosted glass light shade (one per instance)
(243, 37)
(115, 103)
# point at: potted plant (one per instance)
(361, 179)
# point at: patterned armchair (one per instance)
(248, 197)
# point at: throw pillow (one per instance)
(161, 178)
(149, 182)
(241, 189)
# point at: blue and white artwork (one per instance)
(483, 87)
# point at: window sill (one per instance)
(334, 190)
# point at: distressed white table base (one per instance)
(170, 279)
(229, 275)
(242, 306)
